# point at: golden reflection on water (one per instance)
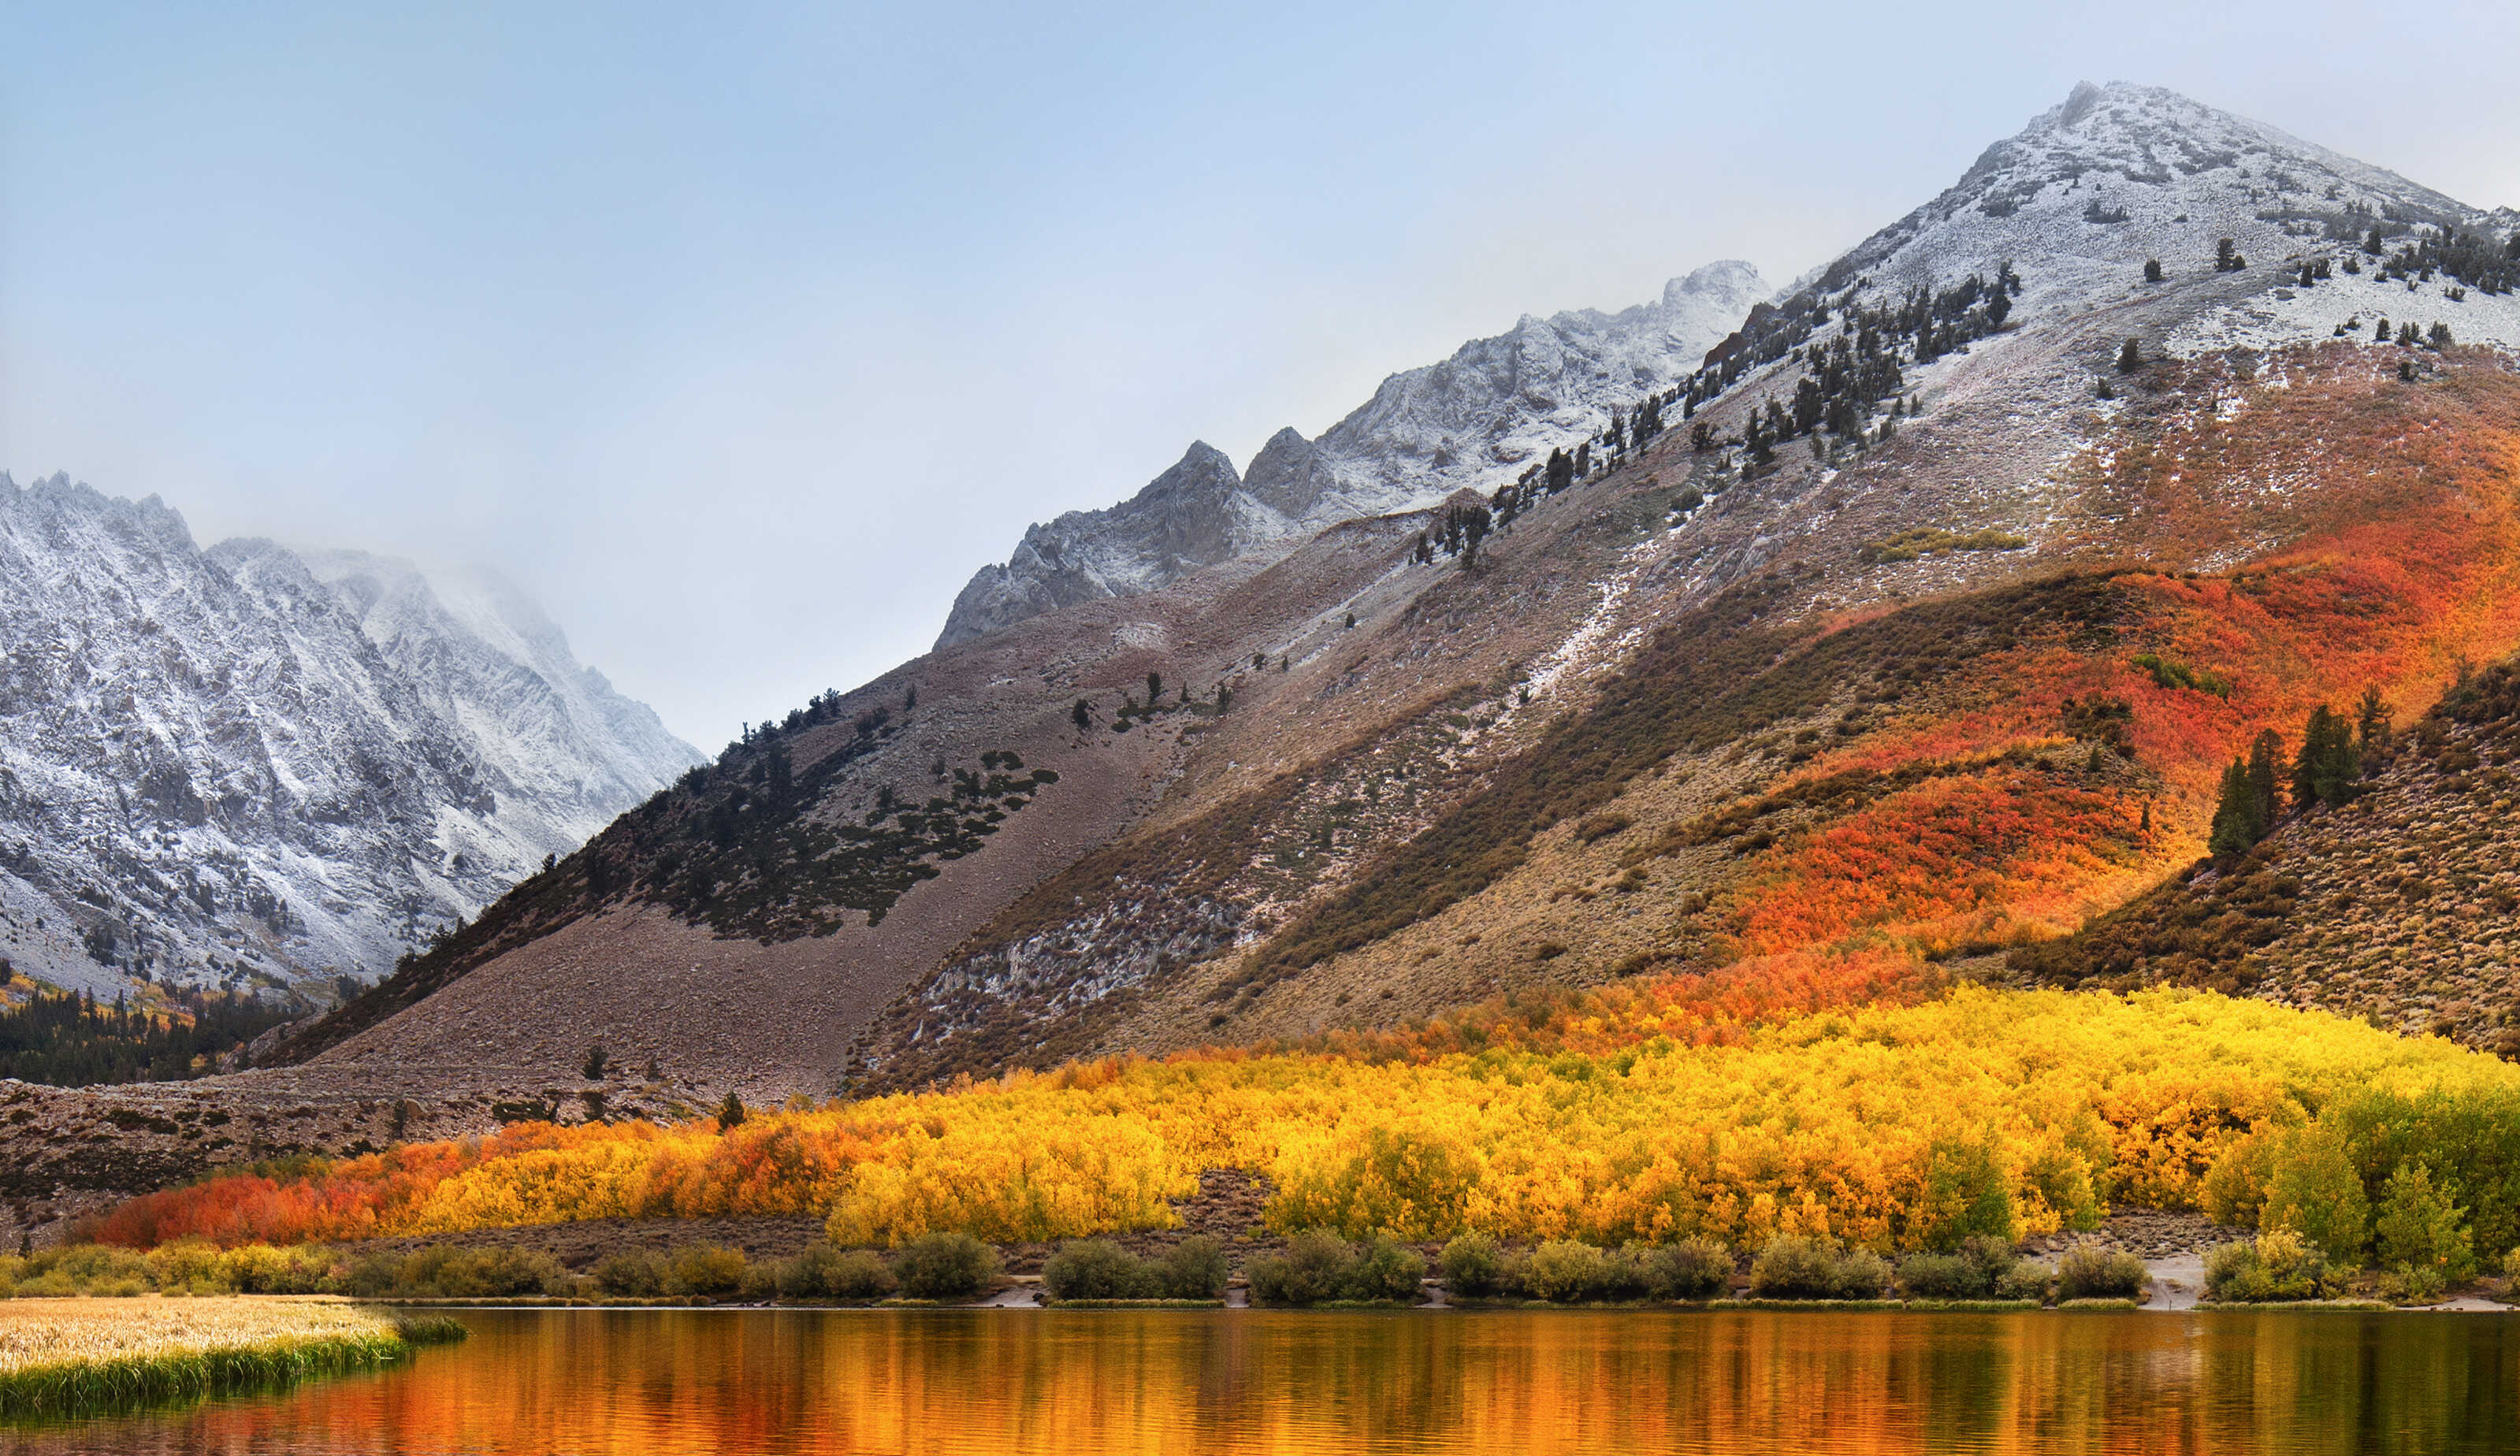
(658, 1382)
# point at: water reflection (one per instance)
(667, 1383)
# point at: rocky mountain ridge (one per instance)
(223, 768)
(1494, 408)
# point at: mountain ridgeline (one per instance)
(1495, 407)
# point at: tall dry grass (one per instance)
(62, 1356)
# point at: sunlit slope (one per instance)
(2398, 905)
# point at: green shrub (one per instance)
(1096, 1269)
(2421, 1234)
(799, 1276)
(1570, 1272)
(1941, 1276)
(1192, 1270)
(858, 1274)
(1627, 1273)
(1973, 1271)
(188, 1267)
(1313, 1268)
(1473, 1266)
(1564, 1272)
(442, 1271)
(79, 1269)
(945, 1266)
(1967, 1195)
(1698, 1268)
(2089, 1271)
(1862, 1275)
(1385, 1271)
(1800, 1268)
(631, 1274)
(1794, 1268)
(806, 1275)
(825, 1273)
(370, 1276)
(2026, 1280)
(2279, 1266)
(261, 1270)
(2314, 1190)
(704, 1269)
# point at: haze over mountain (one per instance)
(245, 765)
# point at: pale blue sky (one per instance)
(741, 335)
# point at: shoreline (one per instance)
(1014, 1297)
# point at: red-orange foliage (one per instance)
(2397, 504)
(2006, 839)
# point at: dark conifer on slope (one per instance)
(2327, 767)
(2247, 809)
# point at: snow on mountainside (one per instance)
(555, 738)
(2121, 174)
(1475, 419)
(222, 765)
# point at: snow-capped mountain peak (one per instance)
(242, 762)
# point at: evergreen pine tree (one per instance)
(2131, 357)
(2265, 757)
(2326, 769)
(2371, 727)
(2235, 812)
(2152, 270)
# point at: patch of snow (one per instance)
(2356, 306)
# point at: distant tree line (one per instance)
(67, 1039)
(1848, 380)
(1846, 383)
(2479, 262)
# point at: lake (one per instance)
(666, 1383)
